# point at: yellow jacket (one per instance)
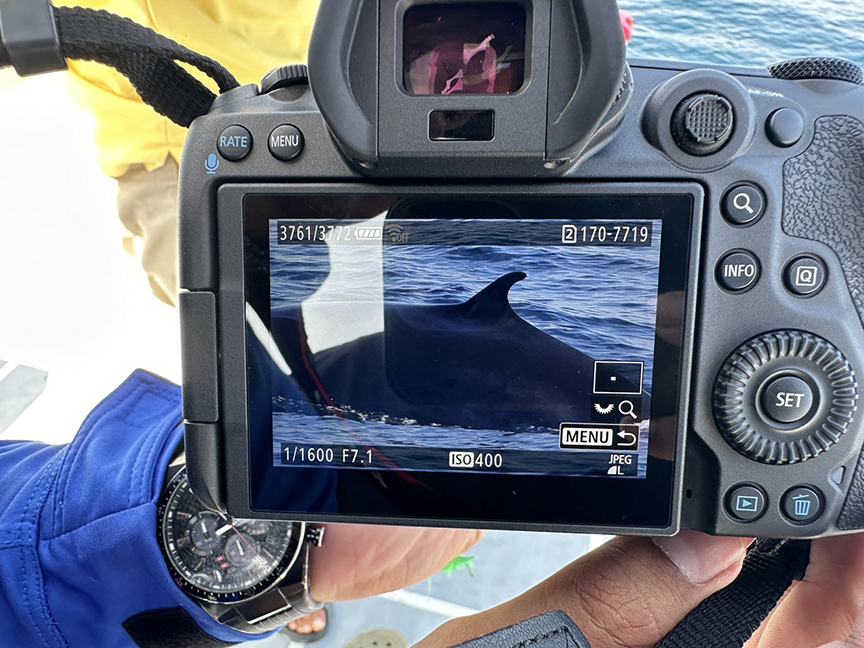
(249, 37)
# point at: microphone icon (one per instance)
(211, 164)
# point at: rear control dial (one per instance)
(785, 397)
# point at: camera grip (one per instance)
(823, 195)
(824, 201)
(852, 515)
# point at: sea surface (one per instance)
(746, 33)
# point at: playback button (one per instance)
(746, 503)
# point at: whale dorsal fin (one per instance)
(492, 301)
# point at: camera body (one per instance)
(483, 272)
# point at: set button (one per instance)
(788, 399)
(738, 271)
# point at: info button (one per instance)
(738, 271)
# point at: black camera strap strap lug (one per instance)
(29, 34)
(731, 616)
(146, 58)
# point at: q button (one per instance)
(743, 204)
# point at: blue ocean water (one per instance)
(746, 32)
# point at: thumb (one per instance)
(629, 592)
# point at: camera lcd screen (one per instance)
(465, 48)
(409, 339)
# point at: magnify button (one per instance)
(626, 408)
(743, 204)
(742, 201)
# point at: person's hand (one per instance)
(825, 609)
(633, 591)
(357, 561)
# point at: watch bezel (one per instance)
(288, 560)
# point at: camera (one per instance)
(472, 267)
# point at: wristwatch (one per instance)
(251, 575)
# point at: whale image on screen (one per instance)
(462, 345)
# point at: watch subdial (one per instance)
(241, 549)
(255, 527)
(206, 580)
(202, 533)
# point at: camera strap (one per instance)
(36, 37)
(725, 620)
(731, 616)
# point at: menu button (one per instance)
(285, 142)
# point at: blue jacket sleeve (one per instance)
(78, 549)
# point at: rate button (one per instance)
(234, 143)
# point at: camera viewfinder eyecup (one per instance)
(565, 80)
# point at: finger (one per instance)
(754, 640)
(630, 592)
(358, 561)
(855, 640)
(825, 605)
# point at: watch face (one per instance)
(215, 557)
